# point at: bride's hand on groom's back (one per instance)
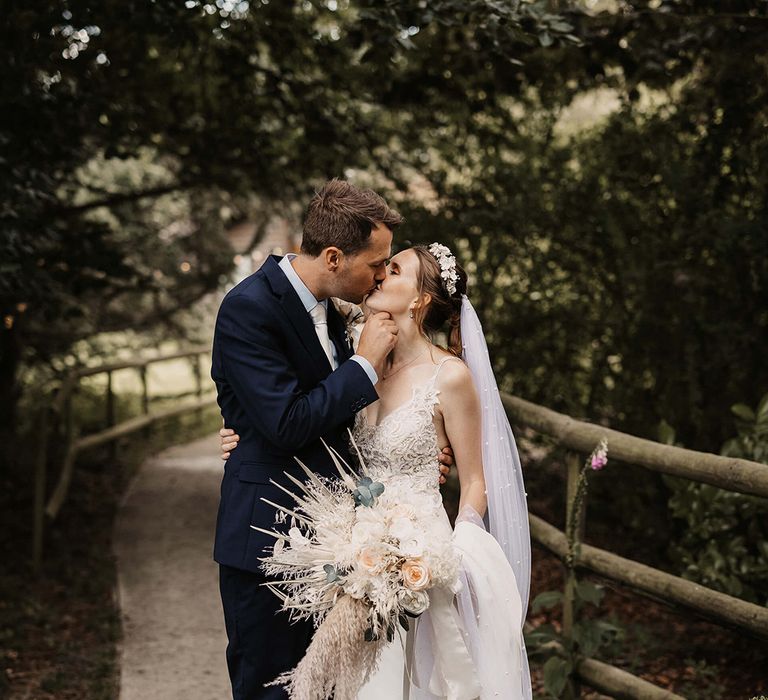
(229, 440)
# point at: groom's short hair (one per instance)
(343, 215)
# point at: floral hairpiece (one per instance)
(447, 262)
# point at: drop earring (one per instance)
(410, 315)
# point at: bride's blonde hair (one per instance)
(443, 308)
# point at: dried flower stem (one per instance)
(338, 660)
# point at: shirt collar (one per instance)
(306, 297)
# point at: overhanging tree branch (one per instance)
(120, 198)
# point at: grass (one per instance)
(60, 629)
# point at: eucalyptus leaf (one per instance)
(331, 574)
(376, 489)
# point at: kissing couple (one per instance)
(300, 384)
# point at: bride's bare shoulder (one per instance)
(454, 375)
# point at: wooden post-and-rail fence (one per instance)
(58, 417)
(728, 473)
(576, 436)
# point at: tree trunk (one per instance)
(10, 355)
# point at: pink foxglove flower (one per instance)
(599, 456)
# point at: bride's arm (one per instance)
(460, 408)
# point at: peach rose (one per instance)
(416, 575)
(369, 560)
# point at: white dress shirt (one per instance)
(309, 302)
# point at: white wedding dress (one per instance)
(468, 645)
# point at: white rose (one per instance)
(402, 529)
(414, 602)
(366, 533)
(412, 548)
(400, 510)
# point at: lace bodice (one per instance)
(404, 443)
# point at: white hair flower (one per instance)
(447, 262)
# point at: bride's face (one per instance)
(398, 292)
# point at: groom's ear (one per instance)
(333, 257)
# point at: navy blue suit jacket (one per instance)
(276, 389)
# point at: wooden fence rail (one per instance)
(728, 473)
(60, 416)
(732, 474)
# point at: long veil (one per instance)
(441, 638)
(507, 505)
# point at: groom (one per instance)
(286, 377)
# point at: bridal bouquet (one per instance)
(358, 559)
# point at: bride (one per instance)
(466, 645)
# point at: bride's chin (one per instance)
(374, 307)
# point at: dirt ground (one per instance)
(173, 628)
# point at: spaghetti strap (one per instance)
(439, 367)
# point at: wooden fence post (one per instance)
(41, 464)
(145, 398)
(110, 412)
(573, 467)
(198, 371)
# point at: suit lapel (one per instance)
(297, 315)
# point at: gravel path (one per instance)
(173, 627)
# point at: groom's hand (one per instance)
(446, 462)
(377, 340)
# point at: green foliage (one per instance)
(556, 673)
(647, 224)
(135, 133)
(645, 219)
(546, 599)
(723, 542)
(707, 684)
(751, 442)
(588, 634)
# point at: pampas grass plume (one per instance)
(338, 660)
